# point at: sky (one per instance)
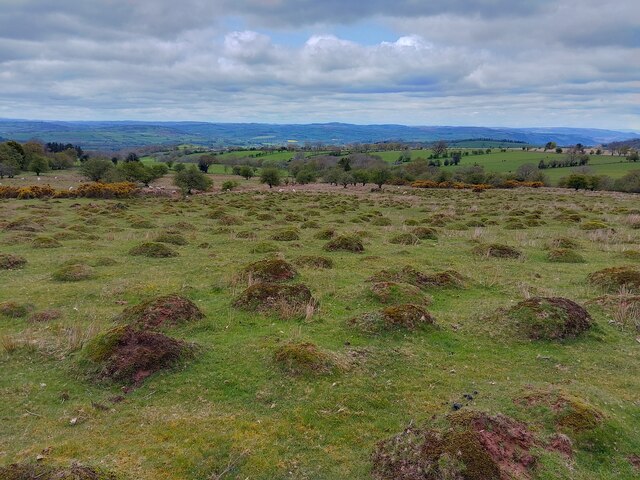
(518, 63)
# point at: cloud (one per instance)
(485, 62)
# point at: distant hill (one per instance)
(631, 143)
(118, 135)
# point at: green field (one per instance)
(232, 411)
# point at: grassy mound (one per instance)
(563, 242)
(347, 243)
(398, 292)
(142, 224)
(73, 273)
(553, 318)
(285, 300)
(564, 255)
(404, 239)
(570, 413)
(11, 262)
(269, 270)
(128, 355)
(286, 235)
(45, 316)
(614, 278)
(172, 238)
(167, 310)
(381, 222)
(593, 225)
(470, 446)
(325, 234)
(45, 242)
(305, 359)
(31, 471)
(425, 233)
(313, 261)
(397, 317)
(153, 250)
(264, 247)
(496, 250)
(14, 310)
(408, 274)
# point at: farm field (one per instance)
(281, 387)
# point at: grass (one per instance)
(231, 412)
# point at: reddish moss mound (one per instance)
(346, 243)
(305, 359)
(14, 310)
(314, 261)
(397, 317)
(129, 355)
(408, 274)
(11, 262)
(612, 279)
(45, 316)
(167, 310)
(285, 300)
(552, 318)
(28, 471)
(472, 446)
(495, 250)
(398, 292)
(270, 270)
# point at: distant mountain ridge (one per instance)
(115, 135)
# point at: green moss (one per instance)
(553, 318)
(305, 358)
(270, 270)
(564, 255)
(286, 235)
(73, 273)
(347, 243)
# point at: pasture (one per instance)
(279, 390)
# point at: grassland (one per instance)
(231, 411)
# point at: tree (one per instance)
(345, 163)
(97, 169)
(558, 150)
(550, 146)
(63, 160)
(132, 157)
(379, 176)
(191, 179)
(204, 163)
(526, 172)
(10, 160)
(360, 176)
(31, 151)
(39, 164)
(138, 172)
(439, 148)
(347, 179)
(246, 172)
(270, 176)
(633, 156)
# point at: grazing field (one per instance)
(311, 326)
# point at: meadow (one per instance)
(309, 390)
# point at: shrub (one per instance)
(73, 273)
(153, 250)
(191, 179)
(614, 278)
(229, 185)
(166, 310)
(305, 359)
(553, 318)
(11, 262)
(347, 243)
